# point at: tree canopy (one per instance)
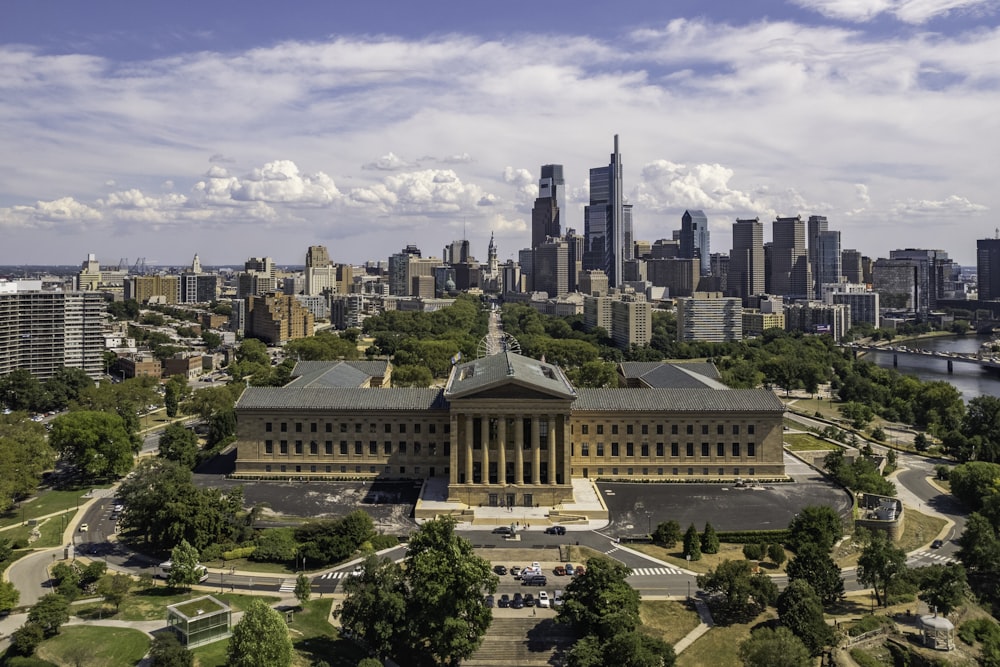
(96, 443)
(777, 647)
(260, 639)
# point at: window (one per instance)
(329, 448)
(447, 428)
(268, 427)
(736, 449)
(600, 429)
(689, 450)
(645, 429)
(343, 428)
(267, 468)
(283, 447)
(269, 447)
(432, 428)
(704, 449)
(298, 427)
(645, 449)
(329, 468)
(704, 429)
(751, 450)
(722, 471)
(690, 429)
(402, 470)
(312, 468)
(314, 448)
(343, 447)
(402, 447)
(614, 449)
(402, 428)
(736, 429)
(284, 427)
(720, 430)
(600, 449)
(357, 447)
(313, 427)
(373, 427)
(659, 429)
(704, 471)
(659, 449)
(387, 447)
(281, 468)
(673, 429)
(416, 448)
(720, 449)
(298, 446)
(673, 450)
(675, 471)
(388, 428)
(416, 428)
(629, 472)
(645, 472)
(614, 472)
(372, 447)
(329, 429)
(584, 449)
(614, 429)
(749, 429)
(750, 472)
(343, 469)
(629, 449)
(585, 429)
(628, 429)
(447, 449)
(357, 429)
(432, 449)
(659, 471)
(690, 471)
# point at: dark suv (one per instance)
(556, 530)
(534, 580)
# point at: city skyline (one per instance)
(162, 133)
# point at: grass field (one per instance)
(801, 442)
(669, 620)
(151, 604)
(720, 646)
(91, 645)
(48, 502)
(675, 556)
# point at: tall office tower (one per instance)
(576, 244)
(899, 285)
(457, 252)
(604, 220)
(827, 269)
(988, 268)
(278, 318)
(42, 331)
(319, 274)
(850, 266)
(551, 274)
(938, 274)
(399, 269)
(815, 225)
(258, 277)
(746, 260)
(546, 215)
(317, 256)
(694, 239)
(628, 242)
(196, 264)
(512, 281)
(789, 270)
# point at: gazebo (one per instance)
(200, 621)
(938, 632)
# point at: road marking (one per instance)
(927, 555)
(287, 586)
(332, 575)
(611, 550)
(652, 571)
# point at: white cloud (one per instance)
(951, 205)
(62, 212)
(389, 162)
(908, 11)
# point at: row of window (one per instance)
(358, 427)
(689, 449)
(343, 470)
(676, 472)
(298, 447)
(720, 429)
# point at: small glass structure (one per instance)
(200, 621)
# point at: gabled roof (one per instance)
(507, 368)
(678, 400)
(671, 375)
(336, 373)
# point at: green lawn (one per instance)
(800, 442)
(151, 604)
(720, 646)
(92, 645)
(48, 502)
(671, 621)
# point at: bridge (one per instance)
(987, 363)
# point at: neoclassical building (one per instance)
(508, 429)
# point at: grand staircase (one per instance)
(523, 642)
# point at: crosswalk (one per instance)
(650, 571)
(287, 586)
(332, 575)
(611, 550)
(930, 555)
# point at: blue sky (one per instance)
(161, 130)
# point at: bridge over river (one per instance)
(987, 363)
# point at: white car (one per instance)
(84, 528)
(557, 599)
(543, 599)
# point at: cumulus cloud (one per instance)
(951, 205)
(523, 183)
(276, 182)
(908, 11)
(427, 192)
(667, 185)
(62, 212)
(389, 162)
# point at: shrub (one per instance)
(239, 552)
(753, 551)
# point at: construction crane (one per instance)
(139, 268)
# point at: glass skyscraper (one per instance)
(605, 221)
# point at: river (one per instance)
(969, 379)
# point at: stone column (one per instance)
(519, 450)
(567, 457)
(468, 448)
(553, 449)
(453, 456)
(502, 454)
(484, 437)
(536, 451)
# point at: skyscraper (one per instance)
(546, 215)
(746, 261)
(789, 262)
(694, 239)
(828, 264)
(816, 225)
(988, 268)
(604, 220)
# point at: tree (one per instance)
(776, 553)
(753, 551)
(20, 390)
(65, 386)
(745, 594)
(303, 588)
(709, 540)
(174, 392)
(692, 543)
(445, 613)
(179, 444)
(49, 613)
(96, 443)
(260, 639)
(973, 482)
(921, 443)
(800, 610)
(374, 609)
(815, 566)
(167, 651)
(115, 588)
(412, 376)
(667, 533)
(184, 568)
(637, 649)
(774, 648)
(276, 545)
(601, 602)
(26, 639)
(880, 562)
(253, 351)
(818, 524)
(942, 587)
(25, 455)
(9, 596)
(979, 546)
(587, 652)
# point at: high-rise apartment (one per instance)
(746, 261)
(604, 220)
(694, 239)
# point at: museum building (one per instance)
(509, 430)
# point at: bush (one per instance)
(867, 624)
(380, 542)
(979, 629)
(239, 552)
(758, 536)
(753, 551)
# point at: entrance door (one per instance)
(528, 500)
(494, 500)
(510, 500)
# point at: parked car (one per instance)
(500, 569)
(534, 580)
(529, 600)
(559, 571)
(516, 572)
(504, 601)
(489, 601)
(578, 570)
(502, 530)
(570, 570)
(557, 598)
(543, 599)
(556, 530)
(517, 602)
